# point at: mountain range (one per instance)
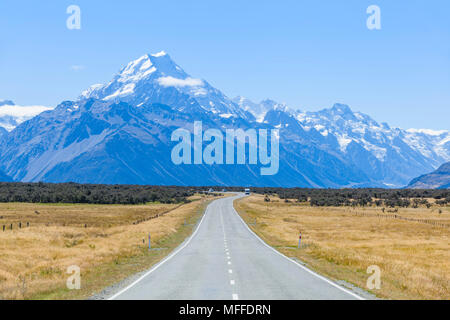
(120, 132)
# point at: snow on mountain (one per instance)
(259, 110)
(12, 115)
(430, 142)
(157, 78)
(97, 141)
(379, 139)
(119, 132)
(376, 148)
(348, 126)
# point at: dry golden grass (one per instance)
(34, 260)
(414, 257)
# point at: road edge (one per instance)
(113, 290)
(329, 281)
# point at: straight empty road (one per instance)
(225, 260)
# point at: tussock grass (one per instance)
(414, 257)
(34, 260)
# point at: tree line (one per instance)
(360, 197)
(141, 194)
(92, 193)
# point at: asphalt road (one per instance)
(225, 260)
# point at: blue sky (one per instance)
(308, 54)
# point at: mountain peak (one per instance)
(159, 63)
(341, 108)
(6, 103)
(160, 54)
(273, 105)
(148, 67)
(157, 78)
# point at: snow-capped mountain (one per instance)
(12, 115)
(120, 132)
(95, 141)
(259, 110)
(375, 148)
(379, 139)
(431, 143)
(156, 78)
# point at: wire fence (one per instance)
(398, 217)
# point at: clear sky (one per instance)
(308, 54)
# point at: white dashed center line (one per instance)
(230, 271)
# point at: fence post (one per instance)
(300, 240)
(149, 241)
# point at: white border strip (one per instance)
(165, 259)
(299, 265)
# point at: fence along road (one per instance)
(225, 260)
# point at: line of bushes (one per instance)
(92, 194)
(138, 194)
(361, 197)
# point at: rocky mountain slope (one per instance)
(439, 179)
(120, 132)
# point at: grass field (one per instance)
(108, 243)
(341, 243)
